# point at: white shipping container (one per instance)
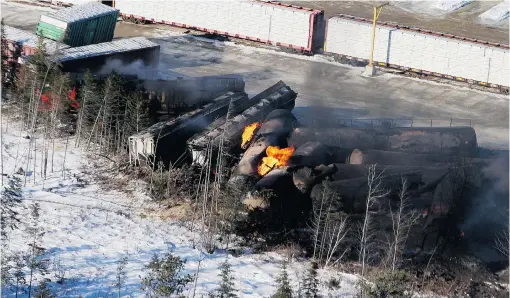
(411, 49)
(255, 20)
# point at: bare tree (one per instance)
(328, 228)
(402, 221)
(376, 192)
(335, 231)
(502, 241)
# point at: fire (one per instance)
(248, 133)
(275, 158)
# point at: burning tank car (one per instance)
(446, 180)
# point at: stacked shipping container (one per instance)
(80, 25)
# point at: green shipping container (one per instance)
(80, 25)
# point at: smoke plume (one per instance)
(487, 214)
(137, 68)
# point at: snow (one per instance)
(88, 228)
(496, 14)
(433, 8)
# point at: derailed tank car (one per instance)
(182, 93)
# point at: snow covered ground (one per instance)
(88, 229)
(433, 8)
(497, 14)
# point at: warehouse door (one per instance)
(91, 31)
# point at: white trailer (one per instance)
(269, 22)
(420, 50)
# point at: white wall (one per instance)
(421, 51)
(247, 18)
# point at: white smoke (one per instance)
(137, 68)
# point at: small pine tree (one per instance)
(284, 290)
(310, 286)
(164, 278)
(43, 291)
(226, 288)
(6, 71)
(113, 107)
(39, 63)
(19, 280)
(33, 259)
(10, 201)
(137, 113)
(120, 277)
(90, 101)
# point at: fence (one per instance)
(387, 123)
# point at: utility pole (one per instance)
(370, 69)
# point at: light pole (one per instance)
(370, 69)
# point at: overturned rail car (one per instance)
(178, 94)
(167, 140)
(278, 96)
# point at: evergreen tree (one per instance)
(6, 66)
(112, 112)
(90, 101)
(39, 63)
(10, 201)
(19, 280)
(284, 290)
(137, 114)
(226, 288)
(120, 277)
(43, 291)
(33, 259)
(163, 277)
(310, 285)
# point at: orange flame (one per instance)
(249, 132)
(275, 158)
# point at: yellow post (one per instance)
(370, 69)
(371, 62)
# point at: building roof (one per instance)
(30, 39)
(81, 12)
(105, 48)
